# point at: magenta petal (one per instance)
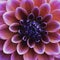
(28, 5)
(30, 43)
(35, 11)
(48, 1)
(39, 2)
(4, 56)
(1, 17)
(12, 5)
(30, 55)
(22, 48)
(16, 56)
(52, 49)
(55, 4)
(54, 37)
(16, 38)
(21, 13)
(9, 17)
(1, 44)
(56, 15)
(45, 57)
(14, 27)
(39, 48)
(57, 58)
(53, 26)
(9, 47)
(4, 32)
(58, 31)
(3, 5)
(45, 39)
(44, 9)
(47, 18)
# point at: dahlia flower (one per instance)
(30, 30)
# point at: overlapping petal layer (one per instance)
(12, 5)
(9, 17)
(3, 6)
(16, 17)
(30, 55)
(22, 48)
(4, 32)
(9, 47)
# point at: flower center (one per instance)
(32, 28)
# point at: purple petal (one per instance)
(4, 56)
(9, 47)
(12, 5)
(30, 55)
(22, 48)
(16, 56)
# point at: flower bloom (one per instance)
(30, 30)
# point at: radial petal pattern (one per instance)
(29, 29)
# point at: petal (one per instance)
(59, 44)
(22, 48)
(35, 11)
(30, 55)
(39, 2)
(1, 17)
(47, 18)
(54, 37)
(4, 32)
(14, 27)
(56, 14)
(39, 48)
(9, 47)
(45, 57)
(3, 6)
(57, 58)
(16, 38)
(31, 43)
(55, 4)
(9, 17)
(16, 56)
(21, 13)
(52, 49)
(45, 39)
(44, 9)
(28, 5)
(4, 56)
(52, 26)
(58, 31)
(12, 5)
(48, 1)
(1, 44)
